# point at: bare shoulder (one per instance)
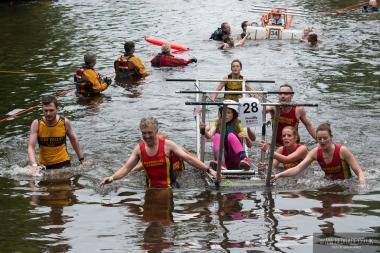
(344, 151)
(170, 144)
(34, 125)
(313, 153)
(300, 111)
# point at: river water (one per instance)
(48, 40)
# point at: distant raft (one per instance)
(273, 33)
(173, 46)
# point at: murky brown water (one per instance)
(78, 216)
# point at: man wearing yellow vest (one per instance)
(50, 132)
(129, 67)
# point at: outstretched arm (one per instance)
(125, 169)
(354, 164)
(193, 161)
(300, 167)
(32, 142)
(297, 155)
(220, 87)
(74, 140)
(242, 41)
(306, 121)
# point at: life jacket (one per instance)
(233, 86)
(176, 163)
(124, 68)
(156, 61)
(82, 83)
(286, 119)
(52, 143)
(337, 168)
(285, 152)
(157, 167)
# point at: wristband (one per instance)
(208, 170)
(111, 179)
(34, 165)
(81, 158)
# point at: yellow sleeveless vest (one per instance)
(52, 143)
(233, 86)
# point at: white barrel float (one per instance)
(273, 33)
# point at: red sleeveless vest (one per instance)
(286, 119)
(337, 168)
(285, 152)
(157, 167)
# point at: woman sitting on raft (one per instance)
(291, 154)
(334, 159)
(234, 154)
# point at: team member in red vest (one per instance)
(291, 154)
(166, 59)
(334, 159)
(290, 115)
(50, 132)
(154, 153)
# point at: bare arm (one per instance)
(126, 168)
(138, 167)
(74, 140)
(208, 133)
(297, 155)
(218, 88)
(346, 154)
(242, 41)
(32, 142)
(300, 167)
(306, 121)
(193, 161)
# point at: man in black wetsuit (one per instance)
(221, 33)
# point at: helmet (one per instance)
(234, 107)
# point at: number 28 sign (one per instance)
(250, 112)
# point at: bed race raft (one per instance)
(276, 24)
(252, 114)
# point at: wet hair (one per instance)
(286, 85)
(237, 60)
(324, 127)
(229, 40)
(245, 23)
(223, 25)
(89, 58)
(312, 37)
(47, 99)
(294, 131)
(145, 122)
(128, 46)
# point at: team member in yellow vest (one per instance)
(50, 132)
(236, 67)
(129, 67)
(87, 80)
